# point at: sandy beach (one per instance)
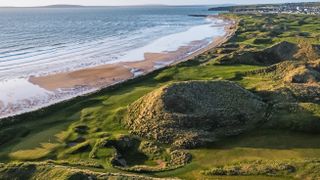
(105, 75)
(54, 88)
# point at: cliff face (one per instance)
(189, 114)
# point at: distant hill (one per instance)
(80, 6)
(62, 6)
(143, 5)
(50, 6)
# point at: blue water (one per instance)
(41, 41)
(48, 40)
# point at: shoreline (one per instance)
(125, 71)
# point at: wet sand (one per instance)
(1, 105)
(63, 86)
(106, 75)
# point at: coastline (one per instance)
(205, 118)
(105, 75)
(93, 80)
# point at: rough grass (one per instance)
(281, 146)
(281, 27)
(103, 112)
(250, 168)
(34, 154)
(296, 169)
(180, 113)
(49, 170)
(35, 135)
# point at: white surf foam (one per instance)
(13, 91)
(175, 41)
(17, 95)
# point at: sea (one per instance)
(42, 41)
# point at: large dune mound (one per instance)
(279, 52)
(189, 114)
(303, 74)
(300, 80)
(300, 72)
(272, 55)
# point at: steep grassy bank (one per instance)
(89, 132)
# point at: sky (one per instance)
(136, 2)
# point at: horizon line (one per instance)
(137, 5)
(79, 5)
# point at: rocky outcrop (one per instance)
(190, 114)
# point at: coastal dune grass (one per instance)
(266, 145)
(34, 154)
(69, 133)
(103, 118)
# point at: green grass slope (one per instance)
(194, 113)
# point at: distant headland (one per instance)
(80, 6)
(84, 6)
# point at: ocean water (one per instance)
(41, 41)
(36, 41)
